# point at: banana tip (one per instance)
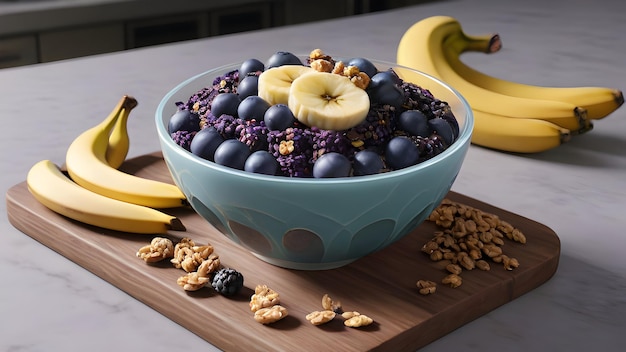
(176, 225)
(129, 102)
(619, 97)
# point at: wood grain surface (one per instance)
(381, 285)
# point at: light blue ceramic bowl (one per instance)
(314, 224)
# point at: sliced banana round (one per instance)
(328, 101)
(274, 83)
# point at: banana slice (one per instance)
(328, 101)
(275, 82)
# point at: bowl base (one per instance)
(304, 266)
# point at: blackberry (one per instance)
(227, 281)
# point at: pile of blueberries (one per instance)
(229, 124)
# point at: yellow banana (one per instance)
(516, 135)
(57, 192)
(422, 48)
(87, 165)
(598, 101)
(520, 135)
(119, 141)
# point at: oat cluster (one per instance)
(469, 239)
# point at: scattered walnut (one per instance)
(329, 304)
(517, 236)
(320, 317)
(454, 269)
(159, 248)
(358, 320)
(209, 265)
(468, 236)
(426, 287)
(483, 265)
(452, 280)
(263, 297)
(192, 282)
(188, 256)
(509, 263)
(271, 314)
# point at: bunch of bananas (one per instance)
(97, 192)
(508, 116)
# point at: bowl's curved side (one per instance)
(338, 221)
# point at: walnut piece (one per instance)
(320, 317)
(271, 314)
(453, 280)
(329, 304)
(358, 320)
(209, 266)
(263, 297)
(159, 248)
(192, 282)
(188, 256)
(426, 287)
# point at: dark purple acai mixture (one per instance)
(298, 147)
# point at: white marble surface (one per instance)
(47, 303)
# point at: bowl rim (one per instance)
(462, 140)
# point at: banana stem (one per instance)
(462, 42)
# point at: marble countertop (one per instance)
(48, 303)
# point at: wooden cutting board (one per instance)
(381, 285)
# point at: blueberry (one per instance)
(250, 66)
(261, 162)
(232, 153)
(443, 129)
(253, 107)
(414, 122)
(332, 164)
(205, 142)
(281, 58)
(384, 89)
(367, 162)
(364, 65)
(401, 152)
(278, 117)
(449, 116)
(184, 120)
(248, 86)
(225, 103)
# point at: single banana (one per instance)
(516, 135)
(119, 141)
(421, 47)
(598, 101)
(328, 101)
(57, 192)
(274, 83)
(87, 165)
